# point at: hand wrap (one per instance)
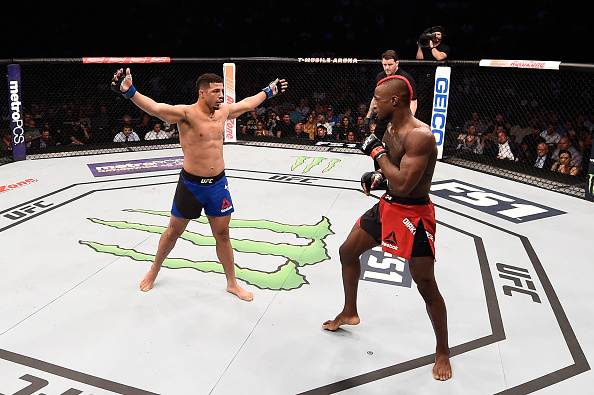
(271, 90)
(369, 177)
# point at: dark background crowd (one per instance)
(536, 30)
(527, 30)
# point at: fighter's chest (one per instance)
(395, 144)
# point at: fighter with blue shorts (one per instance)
(194, 193)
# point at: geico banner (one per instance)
(441, 94)
(229, 77)
(15, 111)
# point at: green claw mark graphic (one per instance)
(316, 161)
(286, 277)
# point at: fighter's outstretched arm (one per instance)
(122, 83)
(249, 103)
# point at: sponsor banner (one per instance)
(328, 60)
(524, 64)
(15, 185)
(510, 208)
(590, 179)
(441, 93)
(136, 166)
(337, 144)
(230, 124)
(127, 60)
(15, 111)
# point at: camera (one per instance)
(425, 38)
(430, 34)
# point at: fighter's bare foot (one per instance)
(442, 370)
(341, 319)
(149, 279)
(240, 292)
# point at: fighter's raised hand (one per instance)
(122, 83)
(275, 87)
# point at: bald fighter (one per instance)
(403, 221)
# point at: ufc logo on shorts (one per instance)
(206, 181)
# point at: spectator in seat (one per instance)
(32, 132)
(564, 144)
(471, 129)
(321, 133)
(471, 144)
(44, 140)
(156, 133)
(294, 114)
(343, 129)
(352, 138)
(285, 128)
(79, 133)
(248, 123)
(543, 159)
(299, 133)
(127, 134)
(520, 130)
(508, 150)
(260, 130)
(309, 127)
(332, 119)
(564, 164)
(361, 128)
(323, 121)
(478, 124)
(551, 137)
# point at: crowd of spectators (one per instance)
(499, 136)
(304, 123)
(47, 127)
(543, 141)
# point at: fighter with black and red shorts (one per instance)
(404, 227)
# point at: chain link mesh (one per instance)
(59, 95)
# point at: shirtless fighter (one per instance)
(403, 222)
(202, 182)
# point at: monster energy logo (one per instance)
(285, 277)
(315, 161)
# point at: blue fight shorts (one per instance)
(194, 193)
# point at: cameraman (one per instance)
(430, 45)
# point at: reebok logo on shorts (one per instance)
(226, 206)
(390, 241)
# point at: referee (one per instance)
(390, 65)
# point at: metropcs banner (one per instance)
(15, 111)
(441, 94)
(230, 124)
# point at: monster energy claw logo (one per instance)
(285, 277)
(316, 161)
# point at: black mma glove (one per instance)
(117, 84)
(369, 177)
(373, 147)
